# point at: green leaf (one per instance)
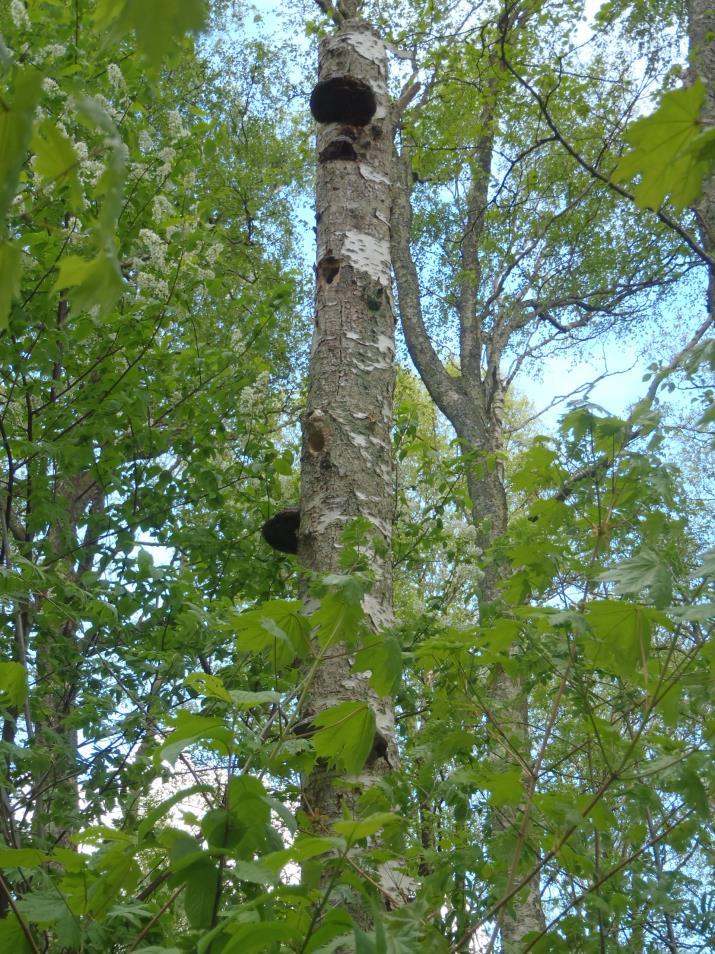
(222, 829)
(10, 272)
(16, 116)
(13, 684)
(345, 734)
(253, 873)
(153, 949)
(694, 793)
(338, 618)
(383, 657)
(55, 156)
(364, 943)
(12, 937)
(192, 729)
(97, 282)
(201, 879)
(278, 625)
(644, 571)
(117, 873)
(620, 635)
(362, 828)
(158, 25)
(303, 848)
(151, 818)
(211, 687)
(42, 907)
(668, 150)
(258, 936)
(336, 924)
(22, 857)
(505, 788)
(707, 568)
(246, 700)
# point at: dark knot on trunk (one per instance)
(343, 99)
(281, 530)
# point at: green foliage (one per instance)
(158, 26)
(157, 658)
(670, 150)
(345, 734)
(13, 684)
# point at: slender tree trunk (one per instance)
(59, 665)
(346, 464)
(701, 30)
(473, 404)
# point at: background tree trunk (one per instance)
(473, 403)
(701, 28)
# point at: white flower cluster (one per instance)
(155, 247)
(120, 147)
(115, 77)
(213, 252)
(54, 51)
(18, 15)
(176, 125)
(114, 113)
(146, 143)
(153, 287)
(90, 171)
(49, 86)
(161, 208)
(167, 156)
(251, 395)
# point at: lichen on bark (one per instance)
(346, 463)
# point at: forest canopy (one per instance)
(349, 602)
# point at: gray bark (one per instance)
(474, 405)
(346, 464)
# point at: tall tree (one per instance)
(520, 282)
(346, 461)
(201, 718)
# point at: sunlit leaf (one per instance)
(95, 283)
(643, 571)
(353, 831)
(157, 25)
(191, 729)
(670, 150)
(259, 936)
(16, 118)
(13, 684)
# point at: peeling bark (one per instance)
(346, 463)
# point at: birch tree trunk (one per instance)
(346, 464)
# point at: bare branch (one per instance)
(445, 390)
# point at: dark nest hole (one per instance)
(281, 531)
(340, 148)
(343, 100)
(328, 268)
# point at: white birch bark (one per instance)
(346, 464)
